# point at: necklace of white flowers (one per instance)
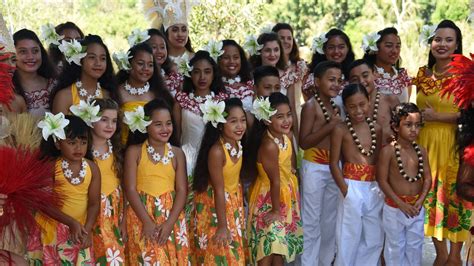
(157, 157)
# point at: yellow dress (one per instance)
(284, 237)
(446, 216)
(129, 107)
(75, 94)
(206, 252)
(155, 186)
(108, 245)
(50, 245)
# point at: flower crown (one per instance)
(262, 109)
(49, 35)
(318, 43)
(369, 42)
(214, 49)
(87, 111)
(213, 111)
(136, 120)
(72, 51)
(53, 125)
(122, 60)
(427, 32)
(251, 45)
(182, 63)
(137, 36)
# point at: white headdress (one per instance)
(168, 12)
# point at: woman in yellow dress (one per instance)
(274, 223)
(156, 187)
(448, 217)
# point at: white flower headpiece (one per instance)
(213, 111)
(182, 63)
(267, 28)
(318, 43)
(427, 32)
(122, 60)
(214, 49)
(369, 42)
(262, 109)
(72, 51)
(251, 45)
(137, 120)
(89, 112)
(137, 37)
(53, 125)
(49, 35)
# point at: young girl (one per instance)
(390, 78)
(33, 77)
(91, 78)
(68, 238)
(359, 234)
(274, 222)
(155, 183)
(70, 31)
(219, 214)
(109, 231)
(142, 83)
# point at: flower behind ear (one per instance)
(72, 51)
(183, 65)
(122, 60)
(214, 49)
(213, 111)
(251, 45)
(262, 109)
(369, 42)
(427, 32)
(53, 125)
(137, 120)
(318, 43)
(137, 36)
(49, 35)
(88, 112)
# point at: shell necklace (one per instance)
(323, 108)
(373, 137)
(419, 174)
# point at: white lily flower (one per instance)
(122, 60)
(183, 65)
(136, 120)
(72, 51)
(427, 32)
(214, 49)
(213, 111)
(262, 109)
(86, 111)
(267, 28)
(369, 42)
(251, 45)
(318, 43)
(137, 37)
(49, 35)
(53, 125)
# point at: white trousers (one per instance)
(320, 196)
(403, 237)
(359, 233)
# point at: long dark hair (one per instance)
(256, 60)
(211, 136)
(167, 65)
(371, 58)
(217, 86)
(157, 85)
(188, 45)
(55, 54)
(295, 53)
(451, 25)
(76, 128)
(256, 135)
(72, 72)
(244, 72)
(45, 70)
(318, 58)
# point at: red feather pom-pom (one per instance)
(6, 84)
(461, 86)
(27, 181)
(468, 156)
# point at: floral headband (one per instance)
(137, 37)
(318, 44)
(251, 45)
(427, 32)
(214, 49)
(87, 111)
(213, 111)
(369, 42)
(53, 125)
(262, 109)
(49, 35)
(72, 51)
(136, 120)
(122, 60)
(182, 63)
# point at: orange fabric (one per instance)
(407, 199)
(359, 172)
(316, 155)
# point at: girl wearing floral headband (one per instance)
(156, 187)
(87, 75)
(383, 53)
(219, 220)
(274, 222)
(141, 83)
(68, 235)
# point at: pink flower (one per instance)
(62, 234)
(71, 252)
(50, 255)
(34, 240)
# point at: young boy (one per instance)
(404, 176)
(319, 191)
(359, 233)
(361, 72)
(266, 80)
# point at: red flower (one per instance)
(50, 255)
(453, 220)
(62, 234)
(438, 217)
(34, 241)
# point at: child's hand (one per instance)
(418, 204)
(271, 217)
(335, 118)
(123, 230)
(344, 190)
(408, 209)
(164, 230)
(77, 232)
(148, 230)
(86, 241)
(222, 237)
